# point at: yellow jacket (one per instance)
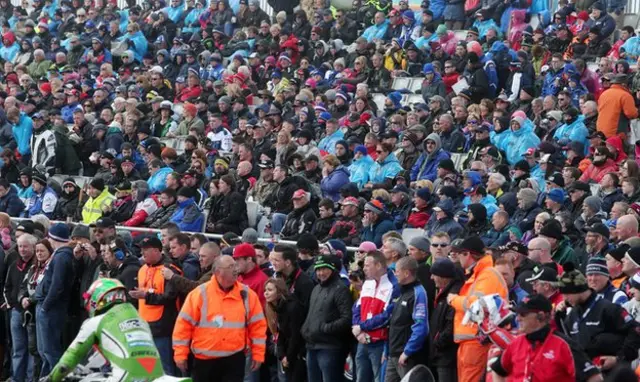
(92, 210)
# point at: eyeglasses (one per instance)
(447, 67)
(441, 245)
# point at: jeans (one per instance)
(165, 349)
(49, 335)
(250, 376)
(277, 222)
(21, 360)
(369, 361)
(325, 365)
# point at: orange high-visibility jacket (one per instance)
(485, 280)
(216, 324)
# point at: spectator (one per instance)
(408, 335)
(442, 220)
(99, 198)
(327, 324)
(164, 212)
(43, 200)
(598, 279)
(229, 210)
(505, 268)
(208, 254)
(232, 341)
(443, 349)
(484, 280)
(157, 299)
(120, 264)
(10, 203)
(21, 360)
(182, 258)
(53, 296)
(334, 176)
(187, 216)
(427, 164)
(299, 220)
(376, 222)
(371, 313)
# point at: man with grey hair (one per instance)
(452, 138)
(590, 111)
(495, 183)
(408, 326)
(40, 65)
(393, 250)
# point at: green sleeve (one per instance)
(78, 349)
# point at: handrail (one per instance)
(216, 236)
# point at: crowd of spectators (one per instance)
(466, 149)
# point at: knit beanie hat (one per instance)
(572, 281)
(635, 281)
(59, 232)
(443, 267)
(618, 252)
(360, 149)
(441, 30)
(374, 206)
(307, 242)
(250, 236)
(421, 243)
(593, 202)
(552, 228)
(597, 265)
(633, 254)
(326, 261)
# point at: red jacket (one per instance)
(255, 280)
(544, 356)
(595, 173)
(418, 219)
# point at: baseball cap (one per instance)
(299, 194)
(103, 223)
(151, 242)
(598, 228)
(264, 164)
(350, 201)
(535, 303)
(544, 273)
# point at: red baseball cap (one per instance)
(244, 250)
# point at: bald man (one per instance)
(627, 227)
(540, 252)
(245, 178)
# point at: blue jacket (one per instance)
(489, 202)
(376, 31)
(67, 112)
(613, 294)
(428, 168)
(191, 267)
(332, 184)
(55, 289)
(549, 82)
(192, 17)
(517, 293)
(388, 169)
(374, 233)
(158, 181)
(576, 93)
(484, 25)
(576, 131)
(139, 42)
(9, 53)
(437, 7)
(420, 315)
(328, 143)
(516, 143)
(188, 216)
(175, 13)
(43, 203)
(11, 204)
(113, 140)
(537, 173)
(22, 133)
(448, 225)
(359, 171)
(495, 238)
(632, 49)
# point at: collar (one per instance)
(539, 335)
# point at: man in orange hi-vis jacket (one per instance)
(481, 279)
(220, 322)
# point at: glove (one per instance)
(45, 379)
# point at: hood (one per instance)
(436, 138)
(9, 36)
(616, 142)
(338, 44)
(390, 159)
(479, 213)
(342, 169)
(324, 45)
(498, 47)
(206, 56)
(509, 201)
(518, 17)
(190, 258)
(131, 261)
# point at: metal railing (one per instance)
(214, 236)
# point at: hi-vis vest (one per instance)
(150, 279)
(92, 209)
(216, 324)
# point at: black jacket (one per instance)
(401, 322)
(67, 205)
(229, 213)
(301, 286)
(15, 274)
(280, 199)
(298, 222)
(524, 219)
(424, 277)
(127, 274)
(328, 322)
(290, 344)
(443, 350)
(603, 328)
(160, 216)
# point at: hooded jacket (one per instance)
(616, 109)
(67, 205)
(55, 289)
(158, 181)
(188, 216)
(387, 170)
(427, 164)
(22, 133)
(11, 204)
(359, 170)
(332, 184)
(516, 143)
(298, 222)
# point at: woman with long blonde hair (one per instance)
(285, 316)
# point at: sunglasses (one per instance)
(439, 245)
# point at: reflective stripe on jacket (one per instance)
(484, 280)
(92, 209)
(215, 324)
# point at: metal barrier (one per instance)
(215, 236)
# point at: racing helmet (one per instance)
(104, 293)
